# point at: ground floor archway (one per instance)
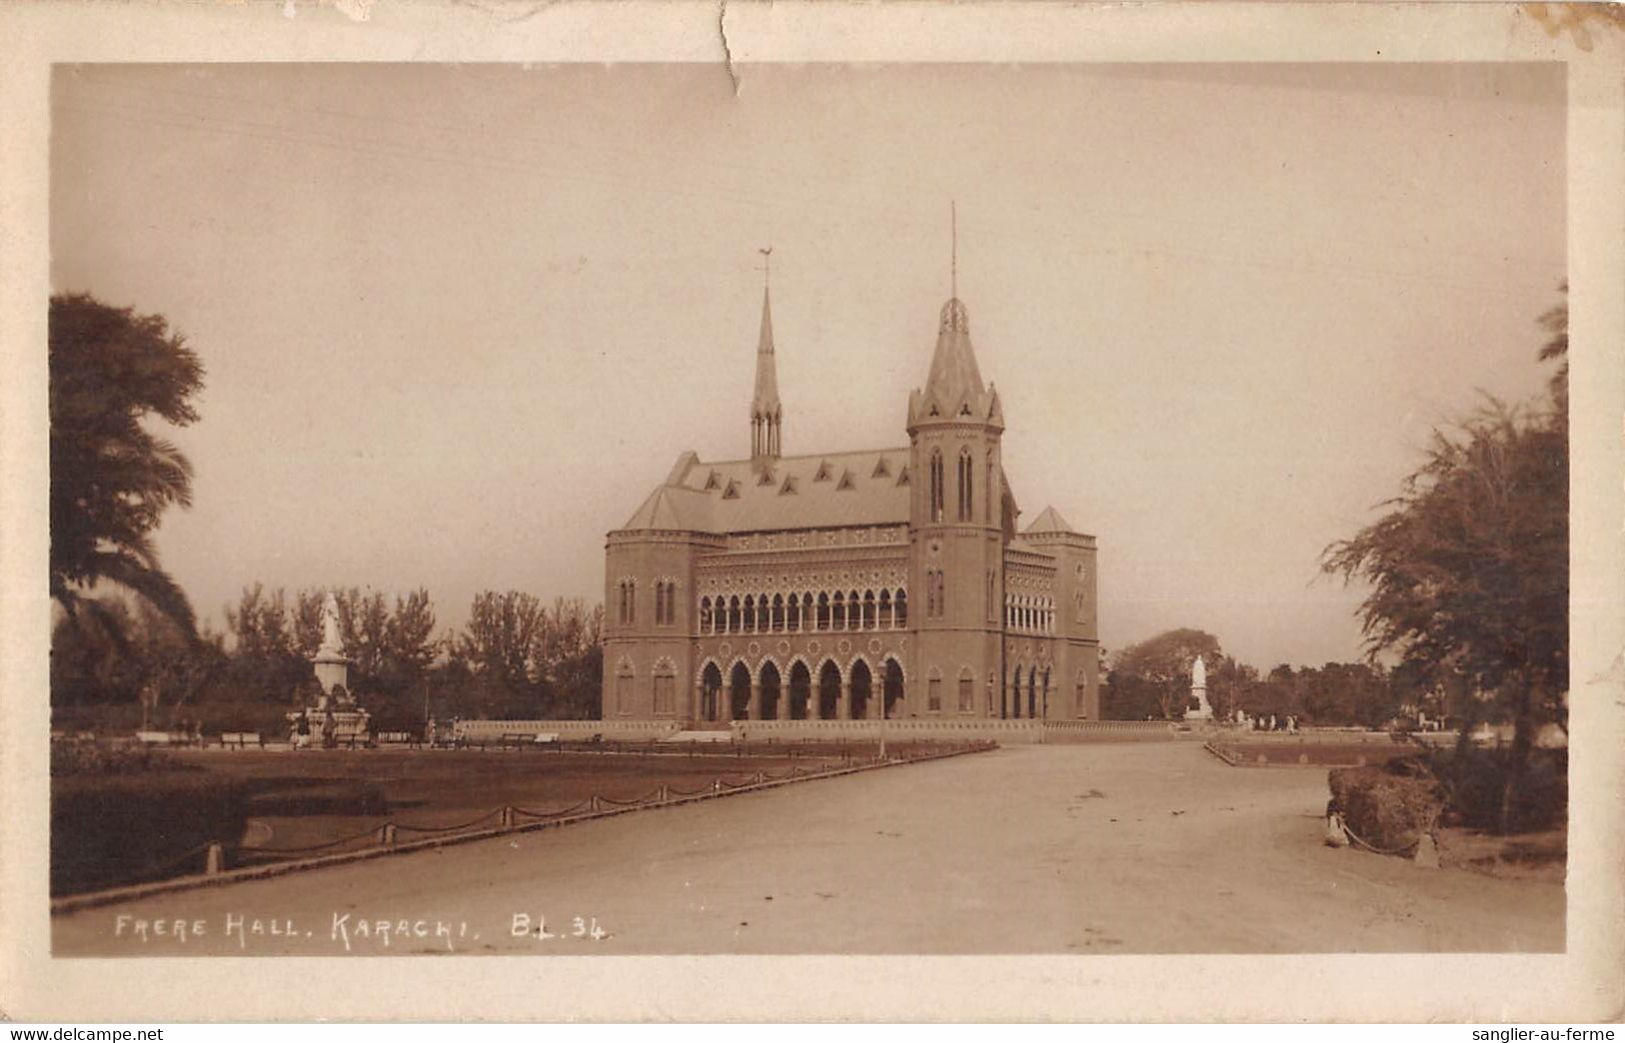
(862, 690)
(739, 693)
(711, 693)
(772, 708)
(829, 691)
(801, 706)
(892, 688)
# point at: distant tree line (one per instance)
(1153, 680)
(515, 657)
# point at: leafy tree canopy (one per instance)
(111, 371)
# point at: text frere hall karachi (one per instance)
(827, 585)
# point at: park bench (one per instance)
(152, 738)
(241, 740)
(519, 740)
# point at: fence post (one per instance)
(388, 834)
(507, 816)
(593, 804)
(215, 859)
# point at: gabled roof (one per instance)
(1049, 520)
(725, 496)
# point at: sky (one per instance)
(458, 321)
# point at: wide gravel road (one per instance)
(1121, 848)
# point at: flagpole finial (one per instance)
(767, 265)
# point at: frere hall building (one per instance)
(837, 586)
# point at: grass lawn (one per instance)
(306, 798)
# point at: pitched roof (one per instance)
(673, 508)
(729, 496)
(1049, 520)
(954, 373)
(954, 387)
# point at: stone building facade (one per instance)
(826, 586)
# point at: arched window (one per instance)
(965, 484)
(624, 679)
(989, 495)
(838, 612)
(665, 687)
(967, 690)
(933, 691)
(936, 485)
(900, 608)
(1080, 694)
(992, 599)
(629, 601)
(665, 602)
(870, 620)
(705, 615)
(778, 613)
(821, 620)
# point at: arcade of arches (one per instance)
(829, 693)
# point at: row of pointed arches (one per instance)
(1027, 694)
(804, 612)
(802, 693)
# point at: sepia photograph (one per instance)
(860, 508)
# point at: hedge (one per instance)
(118, 829)
(1388, 807)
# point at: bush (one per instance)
(111, 829)
(74, 757)
(1475, 779)
(1388, 808)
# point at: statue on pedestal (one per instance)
(1202, 712)
(341, 719)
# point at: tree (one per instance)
(111, 478)
(264, 665)
(1469, 568)
(1162, 666)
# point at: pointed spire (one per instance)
(766, 399)
(766, 412)
(954, 387)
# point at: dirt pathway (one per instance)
(1135, 848)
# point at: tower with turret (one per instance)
(837, 586)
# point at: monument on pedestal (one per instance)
(335, 719)
(1203, 711)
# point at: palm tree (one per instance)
(112, 479)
